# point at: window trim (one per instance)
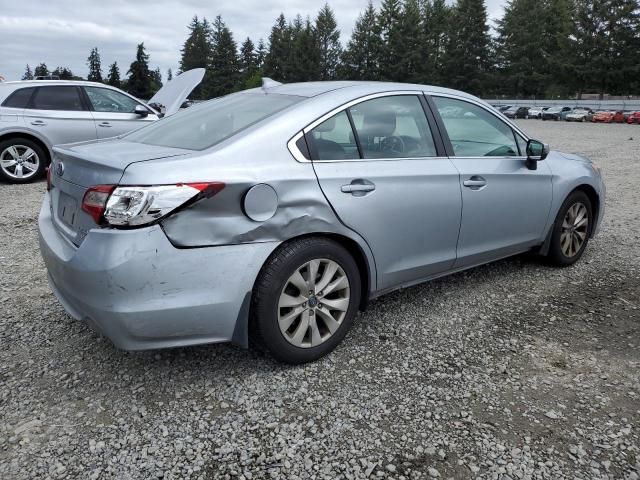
(83, 102)
(430, 117)
(445, 136)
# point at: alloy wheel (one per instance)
(19, 161)
(313, 303)
(575, 228)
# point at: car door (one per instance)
(59, 113)
(505, 205)
(387, 177)
(114, 112)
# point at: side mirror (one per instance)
(536, 152)
(140, 110)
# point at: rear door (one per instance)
(60, 114)
(387, 178)
(505, 204)
(114, 112)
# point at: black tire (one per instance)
(39, 151)
(556, 255)
(264, 328)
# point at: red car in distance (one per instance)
(609, 117)
(634, 118)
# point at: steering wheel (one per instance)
(392, 144)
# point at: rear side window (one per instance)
(19, 98)
(57, 98)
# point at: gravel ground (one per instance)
(511, 370)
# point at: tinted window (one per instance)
(19, 98)
(202, 126)
(473, 131)
(333, 139)
(106, 100)
(393, 127)
(57, 98)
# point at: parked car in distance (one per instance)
(555, 113)
(259, 214)
(504, 108)
(536, 112)
(578, 115)
(517, 112)
(36, 115)
(609, 117)
(634, 118)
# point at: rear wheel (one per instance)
(21, 160)
(305, 299)
(571, 230)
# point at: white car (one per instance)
(536, 112)
(38, 114)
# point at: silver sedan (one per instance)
(276, 214)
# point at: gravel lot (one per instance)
(512, 370)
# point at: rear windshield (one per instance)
(202, 126)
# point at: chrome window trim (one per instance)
(297, 154)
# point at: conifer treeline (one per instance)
(538, 48)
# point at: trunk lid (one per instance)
(76, 167)
(173, 94)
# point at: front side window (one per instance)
(473, 131)
(19, 98)
(205, 125)
(106, 100)
(57, 98)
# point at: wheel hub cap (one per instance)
(575, 228)
(19, 161)
(313, 303)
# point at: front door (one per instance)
(58, 112)
(381, 170)
(114, 112)
(505, 204)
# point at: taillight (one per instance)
(95, 200)
(132, 206)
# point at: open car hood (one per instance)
(173, 94)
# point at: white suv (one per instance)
(36, 115)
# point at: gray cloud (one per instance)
(62, 33)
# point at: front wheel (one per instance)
(21, 160)
(571, 230)
(305, 300)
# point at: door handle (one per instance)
(38, 122)
(104, 124)
(358, 187)
(476, 182)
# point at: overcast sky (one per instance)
(62, 32)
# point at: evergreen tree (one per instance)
(95, 69)
(327, 37)
(391, 51)
(304, 61)
(140, 81)
(225, 70)
(556, 43)
(41, 71)
(169, 75)
(113, 78)
(248, 59)
(361, 57)
(197, 52)
(156, 80)
(412, 66)
(261, 53)
(435, 26)
(28, 74)
(467, 55)
(277, 58)
(63, 73)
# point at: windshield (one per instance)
(202, 126)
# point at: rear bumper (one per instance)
(141, 292)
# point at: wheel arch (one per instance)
(594, 198)
(29, 136)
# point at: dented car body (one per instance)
(163, 237)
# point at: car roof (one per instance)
(313, 89)
(39, 83)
